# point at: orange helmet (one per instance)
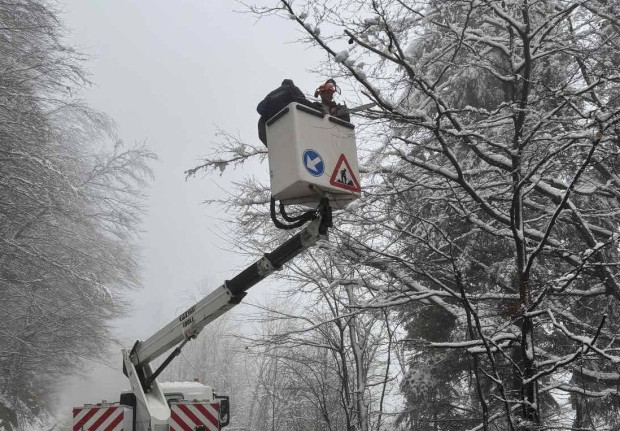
(328, 87)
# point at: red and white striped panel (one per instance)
(98, 418)
(188, 416)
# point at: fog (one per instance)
(170, 74)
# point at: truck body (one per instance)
(192, 405)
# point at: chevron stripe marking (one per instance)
(177, 422)
(115, 423)
(201, 417)
(102, 417)
(82, 416)
(189, 414)
(211, 413)
(98, 419)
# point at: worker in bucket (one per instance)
(277, 100)
(326, 93)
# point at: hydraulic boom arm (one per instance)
(189, 324)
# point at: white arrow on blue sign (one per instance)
(313, 162)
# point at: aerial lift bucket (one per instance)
(312, 154)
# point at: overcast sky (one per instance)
(170, 73)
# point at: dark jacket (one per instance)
(275, 101)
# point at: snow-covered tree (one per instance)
(321, 369)
(336, 359)
(489, 218)
(70, 206)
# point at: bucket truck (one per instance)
(154, 406)
(311, 155)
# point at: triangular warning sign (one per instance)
(343, 176)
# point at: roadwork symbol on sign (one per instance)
(313, 163)
(343, 176)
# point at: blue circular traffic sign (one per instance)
(313, 162)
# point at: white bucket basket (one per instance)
(311, 154)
